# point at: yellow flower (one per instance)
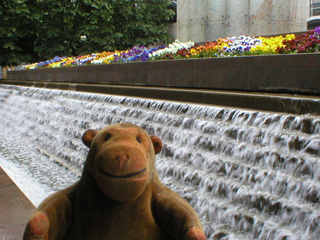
(193, 51)
(290, 37)
(108, 59)
(55, 65)
(269, 45)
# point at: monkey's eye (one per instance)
(107, 137)
(139, 139)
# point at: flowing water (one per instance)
(248, 174)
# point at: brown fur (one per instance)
(119, 195)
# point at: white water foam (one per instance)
(248, 174)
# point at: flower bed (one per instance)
(233, 46)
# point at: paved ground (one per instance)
(15, 209)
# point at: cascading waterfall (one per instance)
(248, 174)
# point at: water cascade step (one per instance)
(248, 174)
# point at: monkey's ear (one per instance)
(88, 136)
(157, 144)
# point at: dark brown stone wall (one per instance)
(297, 73)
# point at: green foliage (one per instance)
(140, 22)
(35, 30)
(62, 22)
(13, 19)
(95, 22)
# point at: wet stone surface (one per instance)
(15, 209)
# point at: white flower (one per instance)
(172, 48)
(99, 61)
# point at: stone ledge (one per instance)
(295, 73)
(286, 103)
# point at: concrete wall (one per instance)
(205, 20)
(292, 73)
(173, 31)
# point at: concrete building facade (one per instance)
(205, 20)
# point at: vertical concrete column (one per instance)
(300, 9)
(215, 19)
(191, 15)
(261, 17)
(271, 17)
(280, 17)
(205, 20)
(237, 22)
(201, 20)
(277, 16)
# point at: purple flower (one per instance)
(145, 56)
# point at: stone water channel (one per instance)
(248, 174)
